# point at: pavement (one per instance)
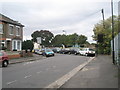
(99, 73)
(25, 59)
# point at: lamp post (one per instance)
(64, 32)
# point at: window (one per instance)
(14, 45)
(1, 29)
(18, 31)
(11, 30)
(18, 45)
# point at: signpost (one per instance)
(39, 40)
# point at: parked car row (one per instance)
(4, 61)
(76, 51)
(45, 52)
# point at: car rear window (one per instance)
(48, 50)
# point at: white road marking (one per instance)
(28, 76)
(47, 69)
(28, 62)
(54, 66)
(58, 83)
(11, 82)
(39, 72)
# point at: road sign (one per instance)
(39, 40)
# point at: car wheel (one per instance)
(75, 53)
(86, 54)
(5, 63)
(46, 55)
(69, 53)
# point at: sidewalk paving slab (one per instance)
(99, 73)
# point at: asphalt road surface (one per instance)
(40, 73)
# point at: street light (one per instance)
(64, 32)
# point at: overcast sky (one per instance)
(73, 16)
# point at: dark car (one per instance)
(47, 52)
(64, 51)
(56, 50)
(74, 51)
(4, 61)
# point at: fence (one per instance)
(117, 49)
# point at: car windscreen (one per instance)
(91, 50)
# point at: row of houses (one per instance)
(11, 34)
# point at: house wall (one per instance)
(14, 32)
(7, 37)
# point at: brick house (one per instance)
(11, 33)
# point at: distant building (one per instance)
(37, 46)
(11, 33)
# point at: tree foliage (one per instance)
(105, 46)
(44, 34)
(28, 44)
(69, 40)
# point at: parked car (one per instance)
(87, 52)
(65, 51)
(56, 50)
(47, 52)
(4, 61)
(74, 51)
(38, 51)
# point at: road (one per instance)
(40, 73)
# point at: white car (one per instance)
(87, 52)
(38, 51)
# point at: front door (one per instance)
(8, 45)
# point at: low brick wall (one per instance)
(14, 56)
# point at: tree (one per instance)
(59, 40)
(82, 40)
(45, 35)
(73, 39)
(69, 40)
(105, 46)
(28, 44)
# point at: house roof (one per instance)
(6, 19)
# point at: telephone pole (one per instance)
(113, 52)
(103, 17)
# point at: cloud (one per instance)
(74, 16)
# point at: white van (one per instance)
(87, 52)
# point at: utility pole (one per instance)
(100, 36)
(103, 17)
(113, 52)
